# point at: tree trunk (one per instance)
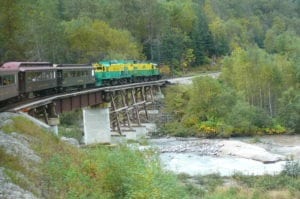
(270, 103)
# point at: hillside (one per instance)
(36, 164)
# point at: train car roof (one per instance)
(9, 66)
(24, 66)
(107, 63)
(74, 66)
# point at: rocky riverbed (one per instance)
(249, 156)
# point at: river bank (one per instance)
(248, 155)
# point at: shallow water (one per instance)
(194, 164)
(192, 161)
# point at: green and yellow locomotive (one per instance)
(113, 72)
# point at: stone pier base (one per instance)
(96, 125)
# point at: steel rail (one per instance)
(48, 100)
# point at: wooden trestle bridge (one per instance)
(126, 103)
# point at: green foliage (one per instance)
(90, 40)
(241, 186)
(120, 172)
(71, 118)
(289, 109)
(210, 108)
(15, 169)
(22, 125)
(247, 119)
(201, 186)
(71, 132)
(174, 45)
(11, 27)
(182, 14)
(203, 44)
(209, 99)
(43, 31)
(270, 182)
(176, 100)
(292, 169)
(96, 172)
(111, 173)
(178, 129)
(10, 162)
(232, 192)
(162, 31)
(210, 181)
(187, 59)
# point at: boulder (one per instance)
(248, 151)
(71, 141)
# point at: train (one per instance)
(21, 80)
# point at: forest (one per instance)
(174, 32)
(258, 91)
(255, 44)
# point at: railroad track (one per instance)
(36, 102)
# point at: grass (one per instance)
(71, 132)
(9, 161)
(240, 186)
(270, 182)
(96, 172)
(16, 171)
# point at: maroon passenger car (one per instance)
(75, 76)
(34, 78)
(8, 83)
(37, 78)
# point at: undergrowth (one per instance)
(103, 172)
(95, 172)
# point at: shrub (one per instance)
(292, 168)
(269, 182)
(74, 132)
(165, 70)
(72, 118)
(276, 129)
(103, 172)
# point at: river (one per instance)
(195, 156)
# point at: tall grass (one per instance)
(119, 172)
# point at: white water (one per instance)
(194, 164)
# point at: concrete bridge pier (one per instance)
(53, 123)
(135, 132)
(96, 124)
